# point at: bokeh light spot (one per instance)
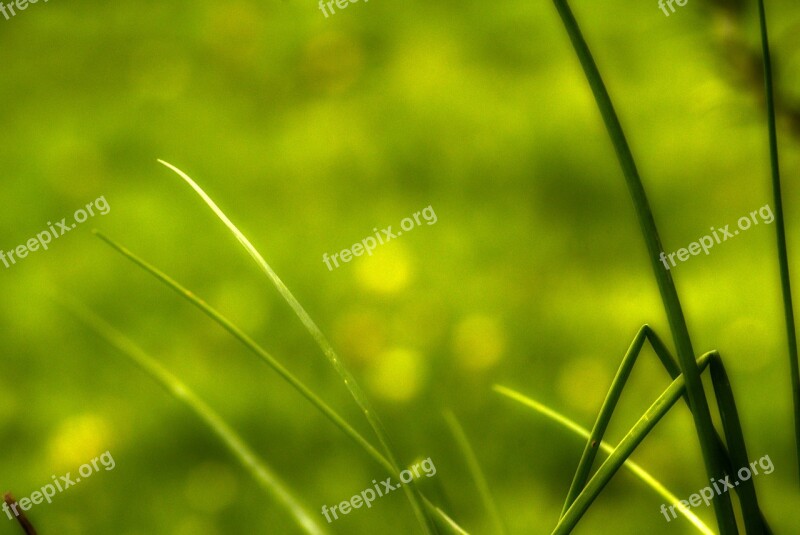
(386, 272)
(479, 342)
(397, 374)
(79, 440)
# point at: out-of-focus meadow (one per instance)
(310, 132)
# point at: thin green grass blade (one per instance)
(475, 471)
(780, 228)
(634, 468)
(701, 413)
(625, 449)
(265, 356)
(253, 346)
(350, 383)
(612, 398)
(254, 466)
(603, 418)
(754, 521)
(446, 524)
(754, 518)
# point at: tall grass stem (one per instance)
(701, 413)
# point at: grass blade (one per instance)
(701, 413)
(476, 472)
(182, 393)
(754, 521)
(253, 346)
(753, 517)
(634, 468)
(626, 447)
(265, 356)
(442, 521)
(349, 381)
(780, 228)
(604, 418)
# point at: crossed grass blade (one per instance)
(734, 454)
(754, 521)
(634, 468)
(625, 449)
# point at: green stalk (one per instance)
(634, 468)
(623, 451)
(350, 383)
(694, 387)
(754, 522)
(780, 229)
(254, 466)
(751, 513)
(442, 520)
(475, 470)
(604, 418)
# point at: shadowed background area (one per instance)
(310, 132)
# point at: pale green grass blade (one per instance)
(476, 472)
(444, 522)
(182, 393)
(780, 228)
(264, 355)
(253, 346)
(349, 381)
(634, 468)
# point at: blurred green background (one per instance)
(311, 131)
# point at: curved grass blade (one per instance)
(754, 521)
(636, 469)
(476, 472)
(441, 519)
(701, 413)
(604, 417)
(780, 228)
(753, 517)
(645, 333)
(349, 381)
(626, 447)
(182, 393)
(253, 346)
(444, 522)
